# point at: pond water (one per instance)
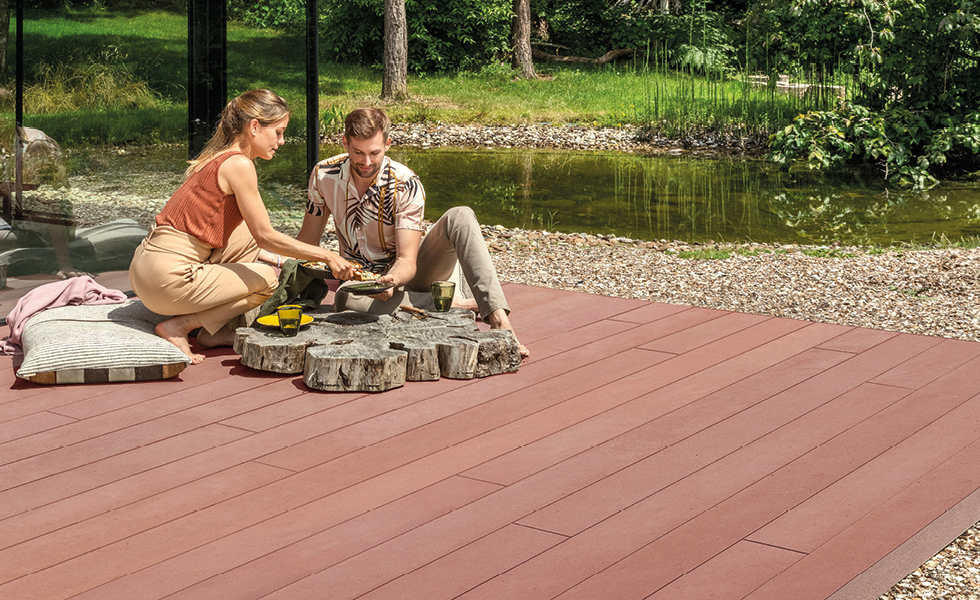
(675, 198)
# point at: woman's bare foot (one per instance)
(223, 337)
(175, 331)
(498, 320)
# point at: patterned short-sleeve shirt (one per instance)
(366, 225)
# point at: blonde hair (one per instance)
(365, 123)
(264, 105)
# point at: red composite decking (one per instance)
(645, 451)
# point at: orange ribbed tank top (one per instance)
(200, 208)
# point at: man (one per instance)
(377, 205)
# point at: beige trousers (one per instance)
(174, 273)
(455, 239)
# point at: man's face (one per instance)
(366, 155)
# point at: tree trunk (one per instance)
(520, 39)
(394, 82)
(4, 35)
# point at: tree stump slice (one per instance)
(362, 366)
(352, 351)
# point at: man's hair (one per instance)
(365, 123)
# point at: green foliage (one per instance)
(277, 14)
(442, 37)
(899, 141)
(917, 65)
(332, 120)
(695, 39)
(779, 37)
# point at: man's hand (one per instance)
(385, 295)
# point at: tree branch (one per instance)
(607, 57)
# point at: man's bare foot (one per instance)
(223, 337)
(498, 320)
(175, 331)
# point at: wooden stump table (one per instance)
(350, 351)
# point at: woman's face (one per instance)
(266, 139)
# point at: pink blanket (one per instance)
(74, 290)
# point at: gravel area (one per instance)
(921, 291)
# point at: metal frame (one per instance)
(207, 80)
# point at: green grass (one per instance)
(828, 253)
(151, 47)
(704, 254)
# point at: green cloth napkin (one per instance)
(295, 287)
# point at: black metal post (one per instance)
(207, 70)
(8, 206)
(312, 87)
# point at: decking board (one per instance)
(646, 450)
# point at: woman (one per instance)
(199, 262)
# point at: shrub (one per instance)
(900, 142)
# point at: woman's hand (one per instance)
(340, 268)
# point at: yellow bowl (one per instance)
(273, 320)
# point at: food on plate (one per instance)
(360, 274)
(317, 269)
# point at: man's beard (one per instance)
(370, 174)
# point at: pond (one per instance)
(675, 198)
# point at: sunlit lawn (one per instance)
(153, 46)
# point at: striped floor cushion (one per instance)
(97, 344)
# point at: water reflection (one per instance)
(688, 199)
(674, 198)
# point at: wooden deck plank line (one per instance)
(571, 320)
(374, 562)
(363, 572)
(934, 363)
(726, 436)
(360, 530)
(269, 502)
(734, 573)
(88, 440)
(571, 353)
(453, 423)
(698, 507)
(645, 449)
(845, 455)
(143, 412)
(918, 451)
(662, 417)
(72, 501)
(270, 572)
(38, 553)
(851, 552)
(526, 592)
(592, 377)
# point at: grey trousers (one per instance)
(455, 239)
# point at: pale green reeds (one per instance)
(95, 83)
